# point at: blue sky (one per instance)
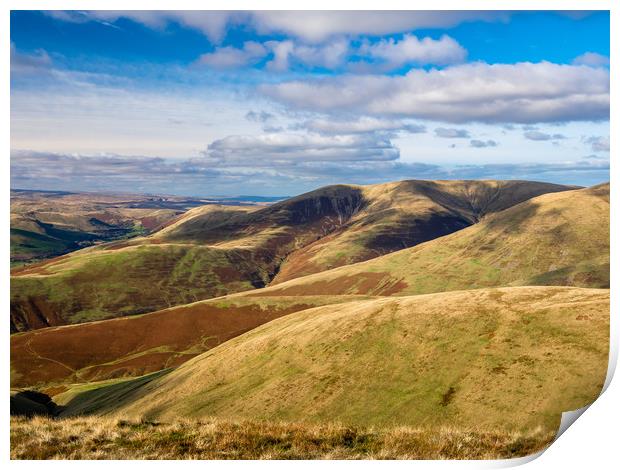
(277, 103)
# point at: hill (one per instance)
(224, 250)
(507, 359)
(554, 239)
(566, 233)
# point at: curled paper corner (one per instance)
(518, 461)
(568, 418)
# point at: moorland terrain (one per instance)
(45, 224)
(321, 325)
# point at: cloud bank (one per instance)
(477, 92)
(204, 176)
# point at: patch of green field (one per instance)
(24, 242)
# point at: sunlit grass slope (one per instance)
(502, 359)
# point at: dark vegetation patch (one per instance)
(133, 346)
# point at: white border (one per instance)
(591, 442)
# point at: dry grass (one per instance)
(108, 438)
(511, 358)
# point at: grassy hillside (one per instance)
(399, 215)
(109, 438)
(50, 358)
(554, 239)
(212, 252)
(505, 359)
(561, 231)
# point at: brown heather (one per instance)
(111, 438)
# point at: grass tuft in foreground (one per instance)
(111, 438)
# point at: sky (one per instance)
(276, 103)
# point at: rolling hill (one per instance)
(554, 232)
(554, 239)
(220, 250)
(504, 359)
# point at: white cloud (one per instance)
(411, 50)
(446, 133)
(242, 150)
(331, 56)
(230, 57)
(361, 125)
(542, 136)
(592, 59)
(317, 26)
(281, 52)
(499, 93)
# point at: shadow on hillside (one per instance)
(32, 403)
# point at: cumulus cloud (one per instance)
(412, 50)
(592, 59)
(499, 93)
(482, 143)
(450, 133)
(361, 125)
(541, 136)
(246, 150)
(281, 51)
(283, 54)
(598, 143)
(330, 56)
(230, 57)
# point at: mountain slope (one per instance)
(508, 358)
(222, 250)
(554, 239)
